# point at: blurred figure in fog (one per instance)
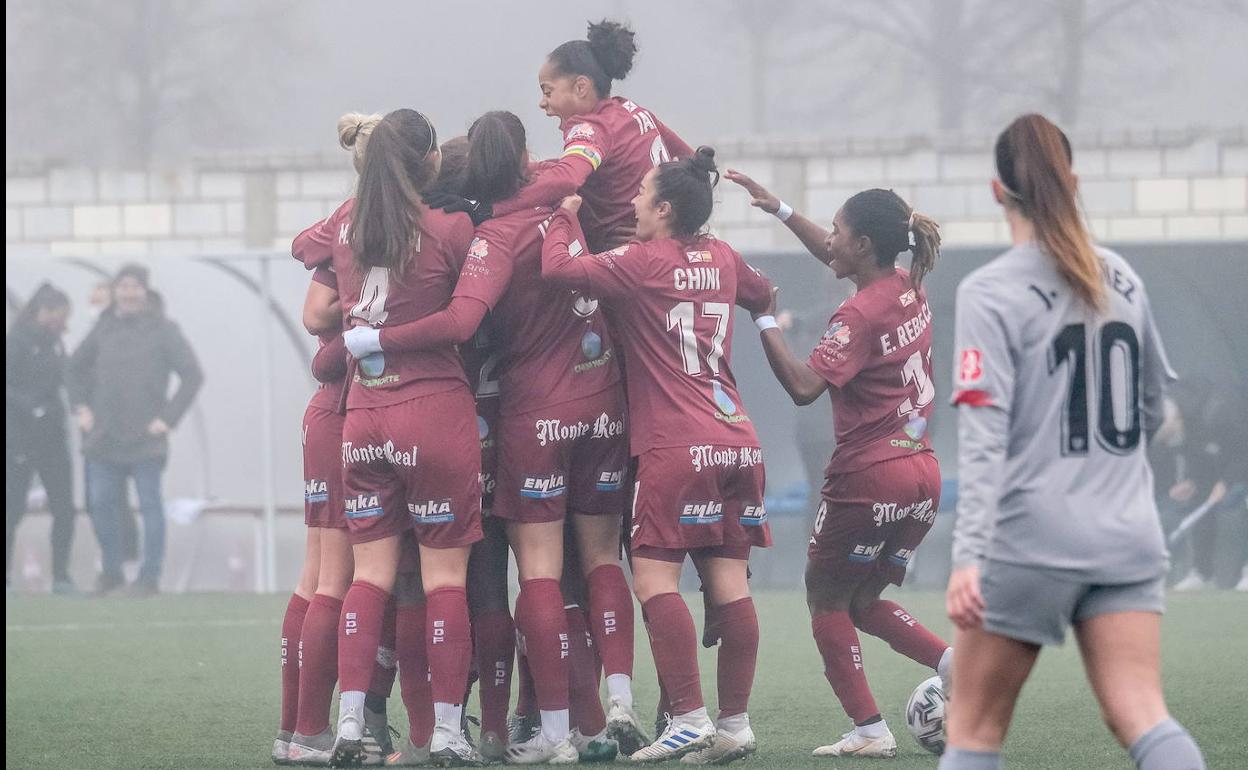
(119, 386)
(1210, 446)
(36, 440)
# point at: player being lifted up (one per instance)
(699, 485)
(882, 485)
(1059, 379)
(609, 142)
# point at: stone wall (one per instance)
(1137, 186)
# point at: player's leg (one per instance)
(988, 673)
(17, 477)
(912, 484)
(543, 626)
(589, 721)
(674, 644)
(611, 621)
(56, 472)
(413, 658)
(1121, 653)
(377, 741)
(494, 634)
(291, 647)
(318, 644)
(727, 590)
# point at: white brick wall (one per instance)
(198, 219)
(97, 221)
(42, 223)
(1183, 186)
(147, 220)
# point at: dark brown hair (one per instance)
(686, 184)
(889, 222)
(1034, 165)
(495, 157)
(606, 55)
(385, 225)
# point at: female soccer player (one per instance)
(329, 562)
(882, 485)
(609, 143)
(1059, 378)
(560, 434)
(699, 486)
(411, 459)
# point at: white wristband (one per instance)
(784, 212)
(765, 322)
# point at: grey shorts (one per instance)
(1034, 604)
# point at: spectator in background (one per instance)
(119, 381)
(36, 439)
(1211, 472)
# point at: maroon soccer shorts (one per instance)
(322, 469)
(696, 497)
(871, 521)
(570, 457)
(414, 465)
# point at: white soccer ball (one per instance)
(925, 715)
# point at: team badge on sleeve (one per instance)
(971, 368)
(480, 248)
(837, 334)
(579, 131)
(696, 257)
(908, 298)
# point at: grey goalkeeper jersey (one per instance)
(1056, 403)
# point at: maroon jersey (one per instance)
(606, 152)
(328, 393)
(877, 358)
(554, 343)
(382, 298)
(672, 304)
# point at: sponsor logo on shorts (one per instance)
(315, 491)
(610, 481)
(709, 512)
(364, 506)
(431, 511)
(866, 553)
(372, 453)
(710, 456)
(754, 515)
(543, 487)
(551, 431)
(887, 513)
(902, 557)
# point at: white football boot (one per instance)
(624, 727)
(684, 734)
(281, 747)
(540, 750)
(451, 748)
(854, 744)
(734, 739)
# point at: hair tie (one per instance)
(910, 230)
(432, 138)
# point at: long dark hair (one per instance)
(496, 146)
(385, 225)
(686, 184)
(889, 222)
(454, 166)
(1034, 164)
(606, 55)
(46, 297)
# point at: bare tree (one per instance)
(122, 81)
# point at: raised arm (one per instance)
(565, 261)
(812, 236)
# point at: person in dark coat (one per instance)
(36, 438)
(119, 380)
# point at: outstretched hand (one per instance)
(571, 203)
(760, 196)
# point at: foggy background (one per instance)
(198, 137)
(165, 80)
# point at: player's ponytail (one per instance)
(399, 165)
(607, 55)
(454, 167)
(1034, 166)
(686, 184)
(894, 227)
(496, 157)
(354, 129)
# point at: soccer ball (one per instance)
(925, 715)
